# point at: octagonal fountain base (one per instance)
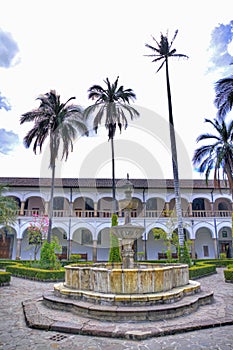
(145, 292)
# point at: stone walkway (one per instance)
(215, 321)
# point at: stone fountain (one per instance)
(129, 290)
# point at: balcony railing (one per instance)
(134, 214)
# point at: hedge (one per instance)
(201, 269)
(35, 273)
(228, 274)
(5, 278)
(216, 262)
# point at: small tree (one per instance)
(48, 258)
(185, 257)
(37, 231)
(171, 238)
(114, 254)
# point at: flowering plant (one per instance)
(37, 231)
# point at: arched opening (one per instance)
(105, 207)
(200, 206)
(83, 207)
(103, 244)
(34, 206)
(204, 244)
(225, 241)
(60, 207)
(82, 242)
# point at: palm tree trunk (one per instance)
(229, 177)
(174, 162)
(51, 205)
(113, 177)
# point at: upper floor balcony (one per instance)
(153, 207)
(147, 214)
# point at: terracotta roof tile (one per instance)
(102, 182)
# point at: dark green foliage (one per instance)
(228, 274)
(217, 155)
(5, 278)
(201, 270)
(114, 220)
(60, 123)
(36, 273)
(74, 258)
(184, 255)
(114, 254)
(113, 105)
(48, 258)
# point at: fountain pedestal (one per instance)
(127, 234)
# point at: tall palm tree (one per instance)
(218, 154)
(162, 52)
(224, 96)
(112, 103)
(60, 122)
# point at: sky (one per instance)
(71, 45)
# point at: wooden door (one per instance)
(5, 248)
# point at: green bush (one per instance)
(228, 274)
(74, 258)
(4, 263)
(5, 278)
(114, 254)
(216, 262)
(184, 255)
(48, 258)
(36, 274)
(201, 269)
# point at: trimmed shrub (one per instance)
(228, 274)
(74, 258)
(5, 278)
(36, 274)
(184, 255)
(114, 254)
(200, 270)
(48, 258)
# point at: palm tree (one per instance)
(162, 52)
(218, 154)
(224, 96)
(59, 122)
(8, 211)
(112, 104)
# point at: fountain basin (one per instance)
(143, 278)
(113, 285)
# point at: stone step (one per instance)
(184, 306)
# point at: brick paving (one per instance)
(213, 323)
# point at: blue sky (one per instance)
(70, 45)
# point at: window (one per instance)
(151, 204)
(89, 204)
(198, 204)
(206, 250)
(224, 234)
(58, 203)
(86, 237)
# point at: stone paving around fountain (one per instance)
(210, 327)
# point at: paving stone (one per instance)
(217, 332)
